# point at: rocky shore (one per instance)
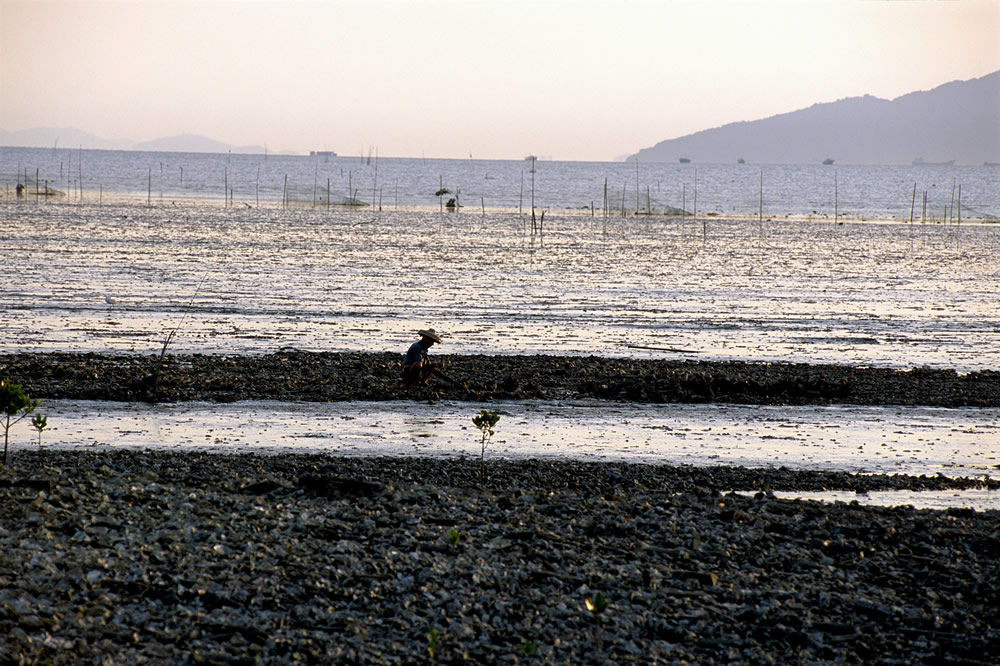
(333, 376)
(141, 557)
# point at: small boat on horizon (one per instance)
(685, 160)
(920, 162)
(322, 153)
(828, 161)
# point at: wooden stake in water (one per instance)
(149, 187)
(760, 212)
(913, 202)
(952, 199)
(695, 209)
(836, 202)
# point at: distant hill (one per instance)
(68, 137)
(957, 121)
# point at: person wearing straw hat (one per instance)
(417, 369)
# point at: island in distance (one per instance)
(953, 123)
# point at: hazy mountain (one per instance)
(67, 137)
(60, 137)
(957, 121)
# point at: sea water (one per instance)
(117, 267)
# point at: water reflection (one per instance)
(915, 441)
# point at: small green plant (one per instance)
(485, 421)
(14, 406)
(39, 423)
(453, 538)
(433, 641)
(529, 648)
(596, 606)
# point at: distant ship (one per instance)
(828, 161)
(741, 161)
(531, 158)
(685, 160)
(322, 153)
(920, 162)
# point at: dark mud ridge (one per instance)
(332, 376)
(142, 557)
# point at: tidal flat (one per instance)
(153, 557)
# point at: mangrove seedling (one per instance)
(39, 423)
(485, 421)
(453, 538)
(433, 641)
(596, 606)
(14, 406)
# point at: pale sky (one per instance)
(572, 80)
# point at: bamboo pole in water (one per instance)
(760, 211)
(913, 202)
(836, 198)
(637, 186)
(604, 224)
(532, 195)
(960, 204)
(375, 182)
(952, 201)
(149, 186)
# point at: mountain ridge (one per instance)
(954, 121)
(49, 137)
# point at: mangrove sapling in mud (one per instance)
(15, 404)
(39, 423)
(597, 605)
(433, 641)
(485, 421)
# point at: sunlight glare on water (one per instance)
(252, 281)
(866, 440)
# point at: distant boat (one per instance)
(322, 153)
(920, 162)
(828, 161)
(741, 161)
(685, 160)
(991, 163)
(531, 158)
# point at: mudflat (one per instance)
(141, 557)
(341, 376)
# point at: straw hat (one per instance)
(429, 333)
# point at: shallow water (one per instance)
(867, 440)
(119, 278)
